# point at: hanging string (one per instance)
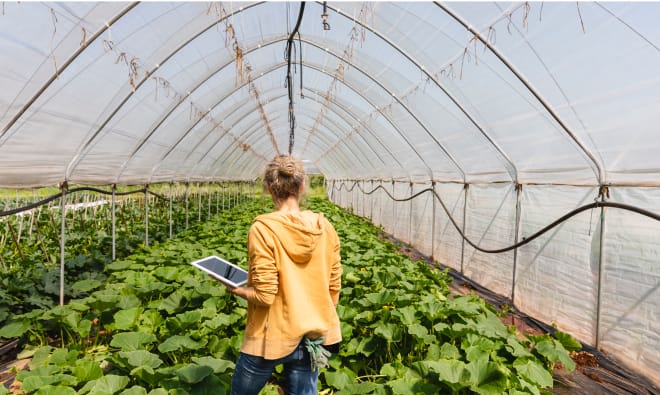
(289, 81)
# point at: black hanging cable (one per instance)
(302, 96)
(289, 81)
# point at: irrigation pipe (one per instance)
(525, 240)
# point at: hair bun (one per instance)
(287, 168)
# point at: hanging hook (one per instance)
(324, 16)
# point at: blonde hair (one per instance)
(284, 177)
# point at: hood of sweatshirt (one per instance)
(299, 233)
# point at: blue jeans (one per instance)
(252, 373)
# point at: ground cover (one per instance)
(156, 325)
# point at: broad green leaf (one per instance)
(127, 319)
(54, 390)
(180, 343)
(63, 357)
(110, 384)
(533, 371)
(192, 374)
(486, 377)
(406, 315)
(14, 329)
(340, 378)
(86, 370)
(141, 358)
(417, 330)
(218, 365)
(554, 351)
(451, 371)
(86, 285)
(134, 390)
(412, 386)
(389, 332)
(449, 351)
(33, 383)
(358, 388)
(131, 341)
(211, 385)
(569, 342)
(172, 303)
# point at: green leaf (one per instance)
(14, 329)
(339, 379)
(569, 342)
(533, 371)
(86, 370)
(389, 332)
(180, 343)
(449, 370)
(486, 377)
(134, 390)
(192, 374)
(110, 384)
(141, 358)
(554, 351)
(33, 383)
(53, 390)
(86, 285)
(358, 388)
(131, 341)
(218, 365)
(412, 386)
(127, 319)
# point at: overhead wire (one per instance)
(289, 81)
(525, 240)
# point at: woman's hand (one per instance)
(238, 291)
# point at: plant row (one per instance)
(155, 325)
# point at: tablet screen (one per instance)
(222, 270)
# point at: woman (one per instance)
(293, 288)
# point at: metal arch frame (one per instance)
(233, 152)
(173, 147)
(333, 123)
(63, 67)
(361, 122)
(241, 118)
(510, 166)
(385, 116)
(248, 136)
(83, 148)
(183, 136)
(403, 105)
(598, 167)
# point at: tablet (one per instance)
(224, 271)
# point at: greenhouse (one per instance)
(489, 167)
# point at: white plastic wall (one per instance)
(605, 295)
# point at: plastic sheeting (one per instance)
(507, 110)
(596, 279)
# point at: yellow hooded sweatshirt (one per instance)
(295, 275)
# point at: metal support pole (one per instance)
(146, 215)
(465, 188)
(410, 217)
(170, 214)
(187, 193)
(208, 196)
(199, 202)
(393, 231)
(515, 241)
(603, 193)
(371, 202)
(62, 241)
(380, 208)
(114, 222)
(433, 220)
